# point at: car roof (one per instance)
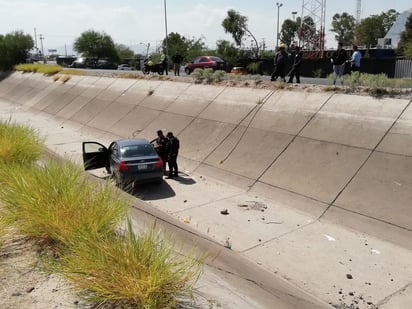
(211, 57)
(132, 141)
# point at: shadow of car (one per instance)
(128, 161)
(205, 62)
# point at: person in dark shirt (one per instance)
(173, 151)
(338, 60)
(161, 144)
(177, 61)
(280, 62)
(296, 66)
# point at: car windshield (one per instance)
(130, 151)
(216, 59)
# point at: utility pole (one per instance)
(279, 5)
(164, 1)
(42, 49)
(358, 11)
(35, 44)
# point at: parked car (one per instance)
(106, 64)
(79, 63)
(205, 62)
(125, 67)
(128, 161)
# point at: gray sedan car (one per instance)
(128, 161)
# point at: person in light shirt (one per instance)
(356, 59)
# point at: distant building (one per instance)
(392, 38)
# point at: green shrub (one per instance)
(253, 67)
(208, 75)
(56, 202)
(19, 144)
(130, 271)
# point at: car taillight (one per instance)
(159, 163)
(123, 166)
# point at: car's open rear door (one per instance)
(95, 155)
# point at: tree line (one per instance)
(15, 47)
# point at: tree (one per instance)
(227, 51)
(236, 25)
(14, 49)
(405, 43)
(195, 48)
(96, 45)
(343, 25)
(189, 48)
(176, 44)
(124, 52)
(374, 27)
(388, 19)
(288, 32)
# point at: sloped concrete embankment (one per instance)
(341, 158)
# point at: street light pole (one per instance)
(164, 1)
(42, 49)
(279, 5)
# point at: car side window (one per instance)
(203, 59)
(197, 60)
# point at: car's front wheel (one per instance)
(187, 71)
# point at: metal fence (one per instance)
(403, 68)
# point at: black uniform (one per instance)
(173, 149)
(177, 60)
(296, 67)
(280, 62)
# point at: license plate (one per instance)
(142, 167)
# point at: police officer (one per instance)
(173, 150)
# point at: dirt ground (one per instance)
(23, 284)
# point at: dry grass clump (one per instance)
(39, 68)
(55, 203)
(19, 144)
(130, 271)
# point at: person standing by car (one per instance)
(338, 60)
(177, 62)
(161, 146)
(296, 66)
(280, 62)
(173, 149)
(165, 63)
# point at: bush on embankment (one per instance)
(19, 144)
(78, 219)
(39, 68)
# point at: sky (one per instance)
(137, 23)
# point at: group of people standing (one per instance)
(177, 62)
(281, 62)
(338, 60)
(167, 148)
